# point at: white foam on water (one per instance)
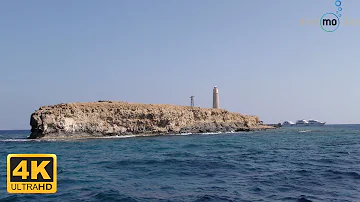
(87, 138)
(17, 140)
(304, 131)
(67, 139)
(211, 133)
(122, 136)
(37, 140)
(182, 134)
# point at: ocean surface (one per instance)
(288, 164)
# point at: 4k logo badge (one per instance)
(31, 173)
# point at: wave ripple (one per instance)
(281, 165)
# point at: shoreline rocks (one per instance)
(108, 118)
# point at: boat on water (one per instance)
(288, 123)
(302, 122)
(315, 123)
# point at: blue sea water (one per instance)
(288, 164)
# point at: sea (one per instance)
(287, 164)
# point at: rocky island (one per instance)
(107, 118)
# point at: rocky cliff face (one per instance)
(106, 118)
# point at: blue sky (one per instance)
(263, 61)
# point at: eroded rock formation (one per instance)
(106, 118)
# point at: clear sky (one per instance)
(159, 51)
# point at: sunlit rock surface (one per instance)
(107, 118)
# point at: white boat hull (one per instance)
(301, 125)
(303, 122)
(317, 124)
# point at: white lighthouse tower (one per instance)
(216, 98)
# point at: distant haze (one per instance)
(262, 59)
